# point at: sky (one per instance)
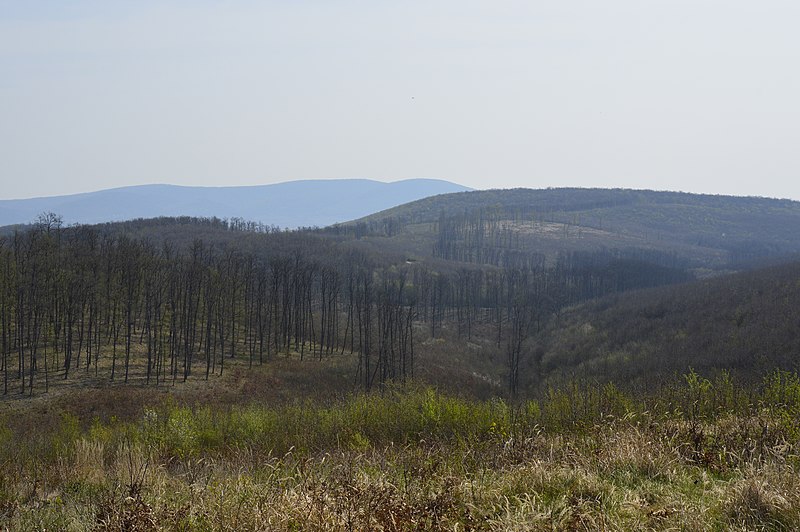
(690, 95)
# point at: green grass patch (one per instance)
(579, 458)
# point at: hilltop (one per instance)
(707, 231)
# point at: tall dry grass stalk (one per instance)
(416, 461)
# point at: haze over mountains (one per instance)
(290, 204)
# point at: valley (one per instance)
(554, 358)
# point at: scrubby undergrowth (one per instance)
(700, 455)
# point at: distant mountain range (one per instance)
(290, 204)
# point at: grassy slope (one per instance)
(583, 459)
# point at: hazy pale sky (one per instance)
(694, 95)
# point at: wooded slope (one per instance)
(719, 232)
(747, 323)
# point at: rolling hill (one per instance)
(290, 204)
(485, 259)
(405, 373)
(706, 231)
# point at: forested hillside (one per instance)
(480, 371)
(747, 324)
(718, 232)
(186, 295)
(166, 299)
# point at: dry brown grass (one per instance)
(617, 475)
(197, 456)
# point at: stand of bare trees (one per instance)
(106, 303)
(77, 300)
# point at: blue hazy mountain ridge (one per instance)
(290, 204)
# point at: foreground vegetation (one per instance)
(699, 454)
(445, 374)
